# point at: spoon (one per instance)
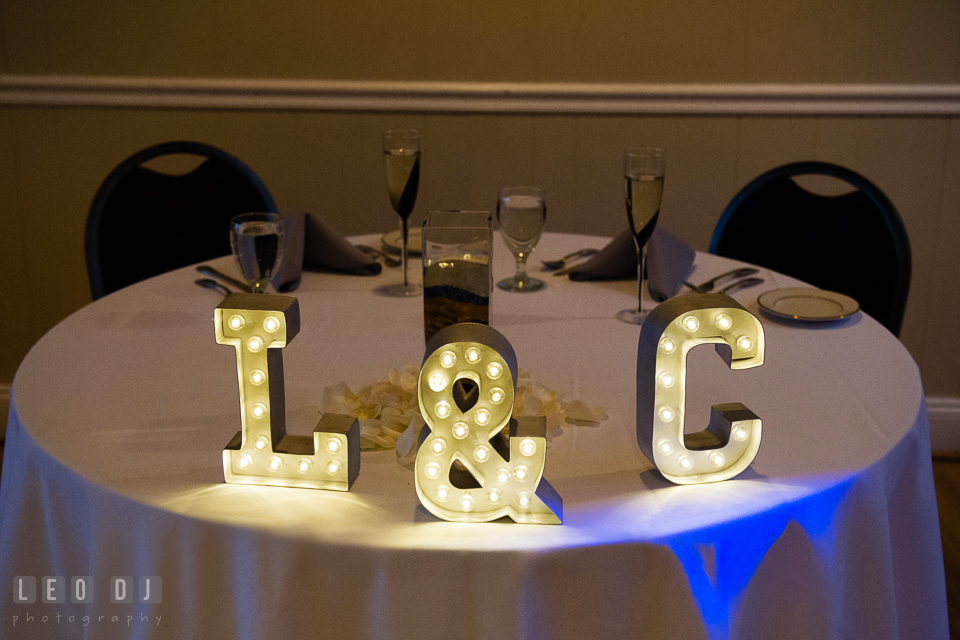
(550, 265)
(707, 286)
(209, 283)
(741, 284)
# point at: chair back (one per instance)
(143, 222)
(854, 243)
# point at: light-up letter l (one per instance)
(466, 470)
(260, 326)
(731, 440)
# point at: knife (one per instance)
(207, 270)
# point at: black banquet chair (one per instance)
(853, 243)
(144, 222)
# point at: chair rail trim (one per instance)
(481, 97)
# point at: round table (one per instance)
(120, 413)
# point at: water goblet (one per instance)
(257, 243)
(401, 160)
(643, 171)
(521, 214)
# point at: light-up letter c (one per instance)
(259, 327)
(731, 440)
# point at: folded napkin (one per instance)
(669, 263)
(312, 244)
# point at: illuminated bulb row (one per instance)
(691, 324)
(686, 462)
(472, 355)
(438, 382)
(261, 443)
(481, 416)
(494, 496)
(270, 324)
(304, 465)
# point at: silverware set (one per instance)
(569, 262)
(740, 281)
(373, 252)
(218, 281)
(742, 278)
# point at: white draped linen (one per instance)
(113, 468)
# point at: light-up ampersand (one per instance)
(731, 440)
(260, 326)
(466, 471)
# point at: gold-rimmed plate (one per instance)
(808, 304)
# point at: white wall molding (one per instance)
(944, 423)
(482, 97)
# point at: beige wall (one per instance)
(52, 159)
(486, 40)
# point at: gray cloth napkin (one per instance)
(669, 263)
(312, 244)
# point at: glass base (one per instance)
(398, 290)
(632, 316)
(521, 286)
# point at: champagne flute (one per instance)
(643, 170)
(521, 214)
(257, 243)
(401, 159)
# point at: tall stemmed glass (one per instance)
(643, 170)
(521, 213)
(401, 159)
(257, 243)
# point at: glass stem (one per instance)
(403, 249)
(521, 275)
(641, 264)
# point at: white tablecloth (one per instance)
(113, 468)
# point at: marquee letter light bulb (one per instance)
(731, 440)
(259, 327)
(495, 476)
